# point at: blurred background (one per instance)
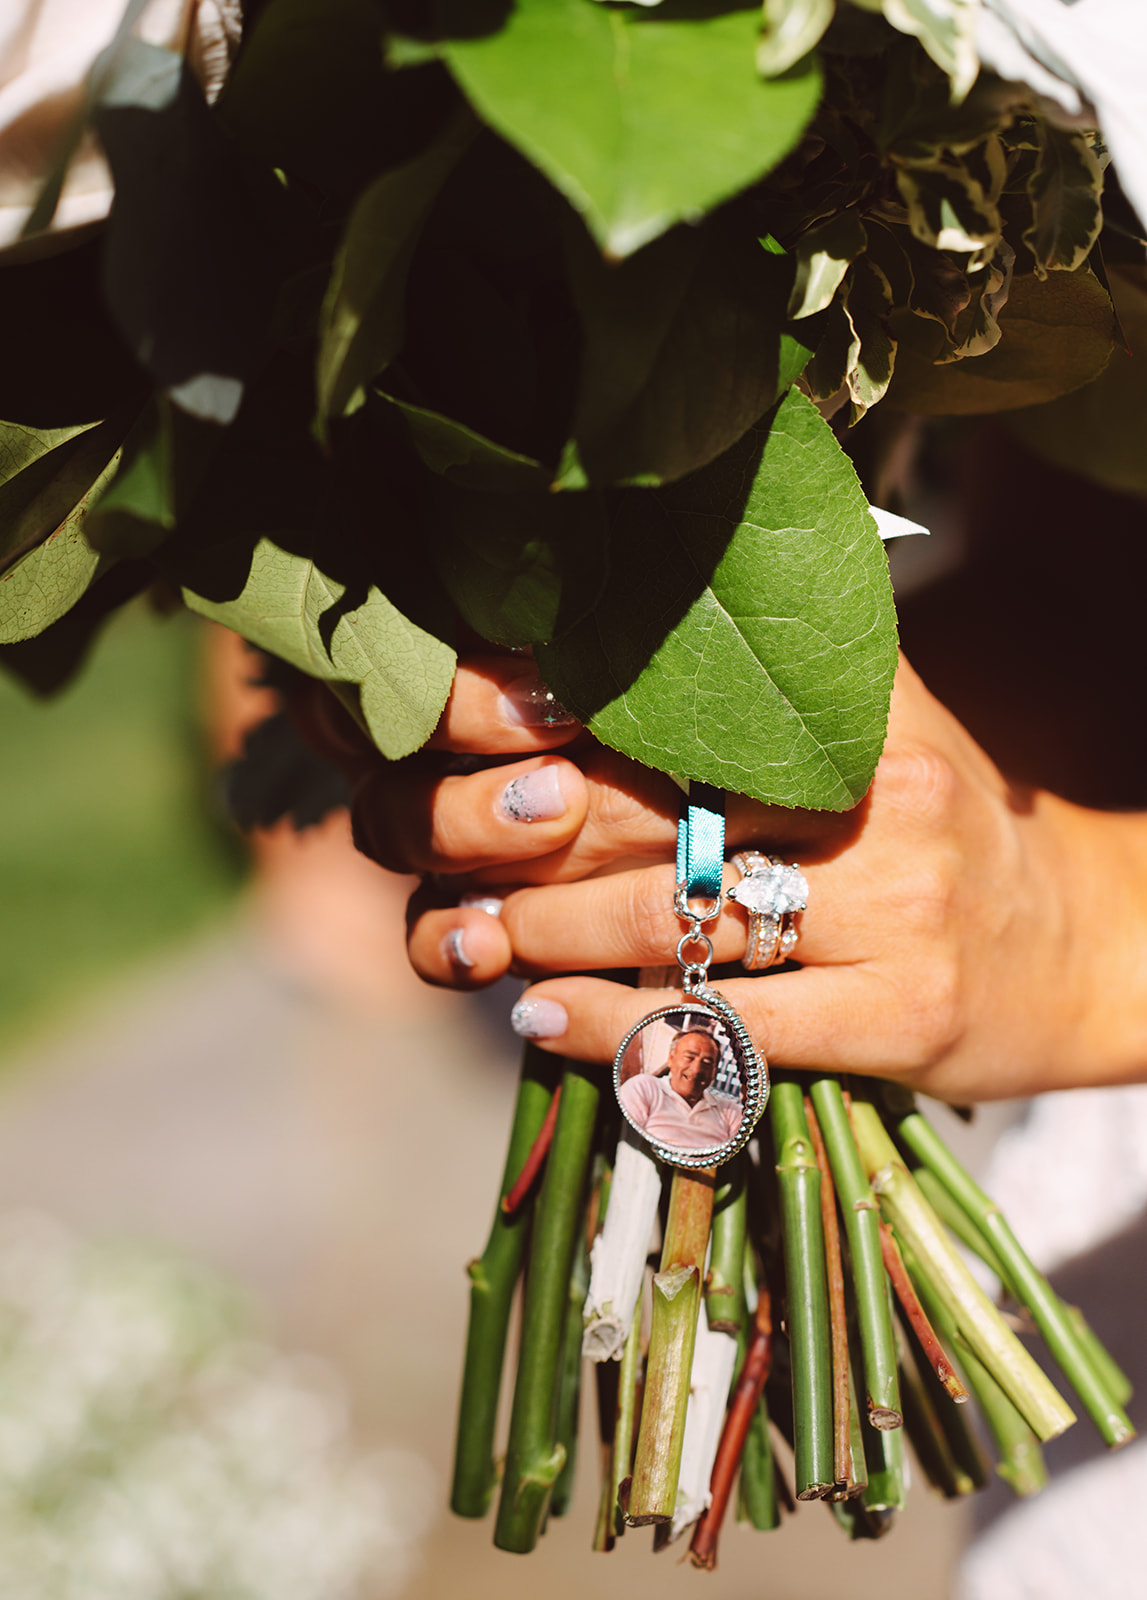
(232, 1291)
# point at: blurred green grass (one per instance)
(110, 850)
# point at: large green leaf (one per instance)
(39, 588)
(1099, 430)
(747, 636)
(1056, 335)
(291, 608)
(682, 351)
(44, 473)
(641, 120)
(362, 317)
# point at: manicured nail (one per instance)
(527, 703)
(539, 1019)
(454, 948)
(534, 797)
(482, 902)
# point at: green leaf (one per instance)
(1098, 430)
(947, 30)
(362, 317)
(747, 637)
(823, 256)
(792, 29)
(857, 353)
(1065, 188)
(949, 206)
(288, 606)
(44, 584)
(978, 329)
(682, 352)
(163, 462)
(466, 458)
(1056, 335)
(641, 120)
(522, 569)
(44, 474)
(50, 660)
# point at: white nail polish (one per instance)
(534, 797)
(539, 1019)
(454, 948)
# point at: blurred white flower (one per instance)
(149, 1450)
(47, 48)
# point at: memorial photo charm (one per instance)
(689, 1080)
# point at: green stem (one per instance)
(1029, 1286)
(534, 1456)
(605, 1374)
(493, 1277)
(569, 1385)
(758, 1483)
(1019, 1457)
(957, 1221)
(861, 1214)
(798, 1178)
(724, 1284)
(858, 1467)
(977, 1319)
(625, 1429)
(676, 1302)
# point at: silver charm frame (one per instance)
(754, 1079)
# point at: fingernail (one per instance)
(539, 1019)
(527, 703)
(482, 902)
(454, 948)
(534, 797)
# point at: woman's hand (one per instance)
(966, 938)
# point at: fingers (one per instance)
(412, 821)
(500, 705)
(836, 1019)
(460, 947)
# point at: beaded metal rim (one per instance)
(754, 1074)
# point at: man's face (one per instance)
(692, 1065)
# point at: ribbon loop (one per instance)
(701, 843)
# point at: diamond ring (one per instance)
(773, 892)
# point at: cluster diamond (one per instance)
(773, 889)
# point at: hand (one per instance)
(967, 938)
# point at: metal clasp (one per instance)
(694, 973)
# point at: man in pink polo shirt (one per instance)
(678, 1107)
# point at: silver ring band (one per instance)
(773, 893)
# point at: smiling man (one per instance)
(678, 1106)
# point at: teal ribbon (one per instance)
(701, 842)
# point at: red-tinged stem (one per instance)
(532, 1165)
(837, 1312)
(917, 1316)
(746, 1398)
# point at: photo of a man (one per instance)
(675, 1101)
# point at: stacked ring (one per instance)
(773, 893)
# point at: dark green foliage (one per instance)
(486, 316)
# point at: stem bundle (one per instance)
(830, 1228)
